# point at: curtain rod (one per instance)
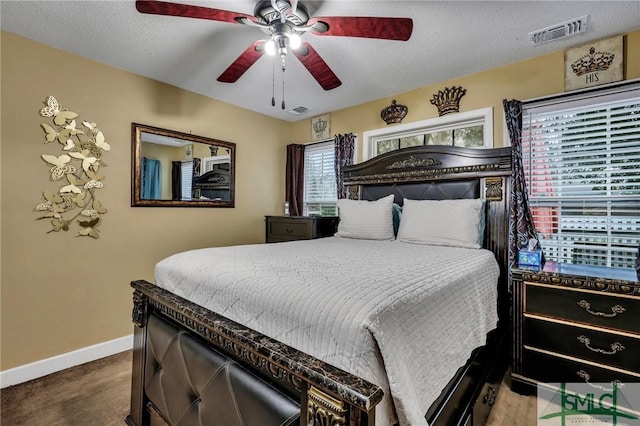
(318, 142)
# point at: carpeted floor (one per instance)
(512, 409)
(97, 394)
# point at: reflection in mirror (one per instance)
(172, 168)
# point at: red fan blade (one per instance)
(367, 27)
(242, 63)
(188, 11)
(317, 67)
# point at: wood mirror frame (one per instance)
(213, 183)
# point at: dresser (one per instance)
(291, 228)
(575, 323)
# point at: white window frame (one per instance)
(482, 116)
(330, 143)
(208, 163)
(559, 247)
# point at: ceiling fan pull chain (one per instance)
(273, 83)
(283, 88)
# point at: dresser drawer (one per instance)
(291, 229)
(547, 368)
(598, 346)
(611, 311)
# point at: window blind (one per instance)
(186, 170)
(320, 193)
(581, 158)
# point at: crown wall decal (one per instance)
(394, 113)
(448, 99)
(320, 125)
(594, 61)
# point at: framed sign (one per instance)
(320, 127)
(594, 63)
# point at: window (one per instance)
(320, 185)
(468, 129)
(581, 158)
(186, 170)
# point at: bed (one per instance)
(341, 330)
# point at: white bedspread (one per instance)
(403, 316)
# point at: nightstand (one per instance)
(291, 228)
(575, 323)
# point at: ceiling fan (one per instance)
(285, 21)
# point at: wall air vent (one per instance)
(299, 110)
(559, 31)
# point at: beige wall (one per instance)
(529, 79)
(60, 292)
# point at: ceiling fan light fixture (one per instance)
(294, 41)
(278, 44)
(270, 47)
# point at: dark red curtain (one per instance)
(294, 176)
(176, 180)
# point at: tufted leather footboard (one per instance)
(192, 366)
(204, 387)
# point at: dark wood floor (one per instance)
(97, 394)
(92, 394)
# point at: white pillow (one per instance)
(453, 223)
(366, 220)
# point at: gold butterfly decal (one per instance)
(94, 176)
(71, 127)
(91, 126)
(72, 186)
(93, 184)
(51, 133)
(89, 227)
(86, 161)
(52, 109)
(69, 145)
(97, 206)
(60, 166)
(100, 142)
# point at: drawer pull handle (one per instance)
(288, 230)
(615, 310)
(584, 375)
(490, 396)
(615, 347)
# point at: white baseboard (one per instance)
(47, 366)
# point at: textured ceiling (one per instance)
(450, 39)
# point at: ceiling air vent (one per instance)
(298, 110)
(558, 31)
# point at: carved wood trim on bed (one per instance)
(327, 395)
(325, 392)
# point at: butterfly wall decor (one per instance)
(76, 200)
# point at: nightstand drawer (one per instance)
(610, 311)
(602, 347)
(295, 230)
(292, 228)
(547, 368)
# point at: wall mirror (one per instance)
(175, 169)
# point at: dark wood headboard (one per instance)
(437, 172)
